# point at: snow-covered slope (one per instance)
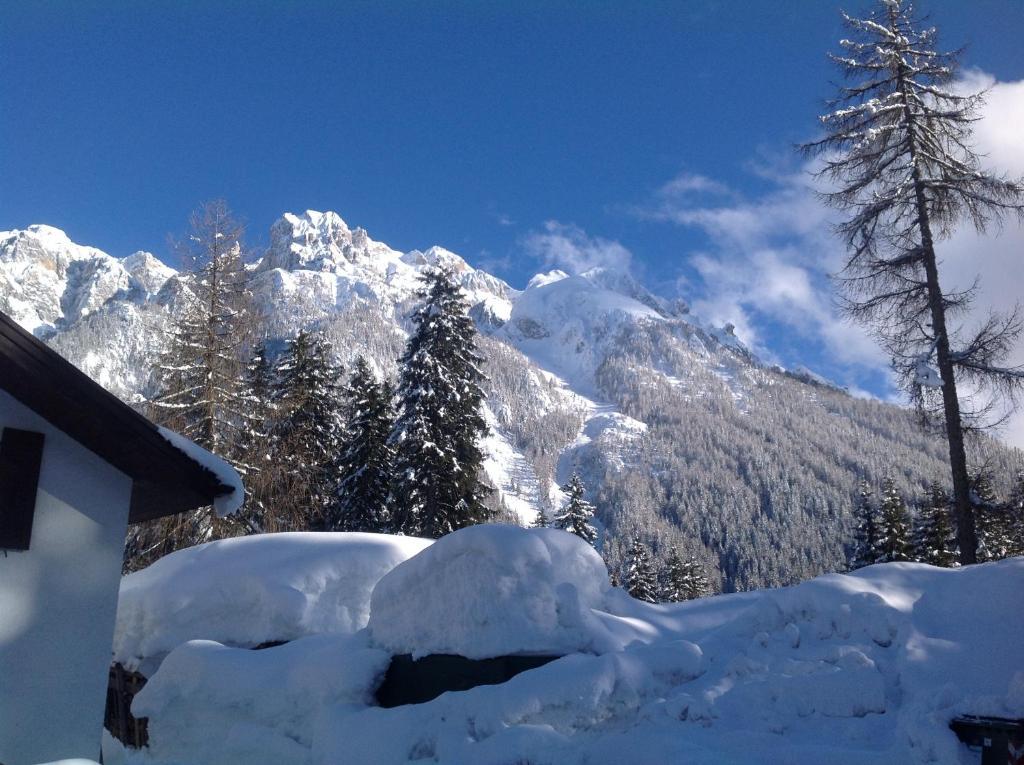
(677, 429)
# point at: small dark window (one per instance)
(21, 453)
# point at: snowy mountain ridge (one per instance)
(679, 431)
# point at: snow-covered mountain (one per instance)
(679, 431)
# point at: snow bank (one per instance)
(250, 590)
(493, 590)
(844, 669)
(232, 705)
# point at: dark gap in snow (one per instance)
(410, 681)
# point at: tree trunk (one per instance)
(965, 532)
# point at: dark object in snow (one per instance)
(409, 681)
(117, 719)
(1001, 740)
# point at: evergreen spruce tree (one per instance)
(898, 155)
(893, 526)
(684, 579)
(307, 432)
(1015, 515)
(541, 521)
(933, 531)
(640, 577)
(577, 513)
(364, 466)
(253, 449)
(865, 540)
(437, 486)
(992, 519)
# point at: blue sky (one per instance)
(520, 135)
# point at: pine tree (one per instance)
(898, 154)
(307, 432)
(438, 462)
(577, 513)
(364, 467)
(684, 579)
(893, 526)
(540, 521)
(933, 531)
(866, 537)
(640, 577)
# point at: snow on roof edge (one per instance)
(227, 503)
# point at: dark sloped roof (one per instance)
(164, 480)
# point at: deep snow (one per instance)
(867, 667)
(255, 589)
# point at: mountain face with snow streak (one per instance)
(679, 432)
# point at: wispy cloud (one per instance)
(768, 258)
(567, 246)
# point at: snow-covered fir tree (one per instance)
(684, 579)
(992, 519)
(253, 449)
(893, 526)
(307, 432)
(1015, 512)
(365, 463)
(865, 537)
(577, 513)
(934, 541)
(640, 578)
(437, 486)
(540, 520)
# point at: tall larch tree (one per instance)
(577, 514)
(640, 578)
(200, 376)
(437, 485)
(865, 537)
(933, 530)
(898, 157)
(893, 526)
(307, 432)
(365, 464)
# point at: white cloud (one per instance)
(566, 246)
(769, 257)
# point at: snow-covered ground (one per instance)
(868, 667)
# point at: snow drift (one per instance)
(490, 591)
(251, 590)
(867, 667)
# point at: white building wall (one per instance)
(58, 601)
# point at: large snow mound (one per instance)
(231, 705)
(493, 590)
(844, 669)
(250, 590)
